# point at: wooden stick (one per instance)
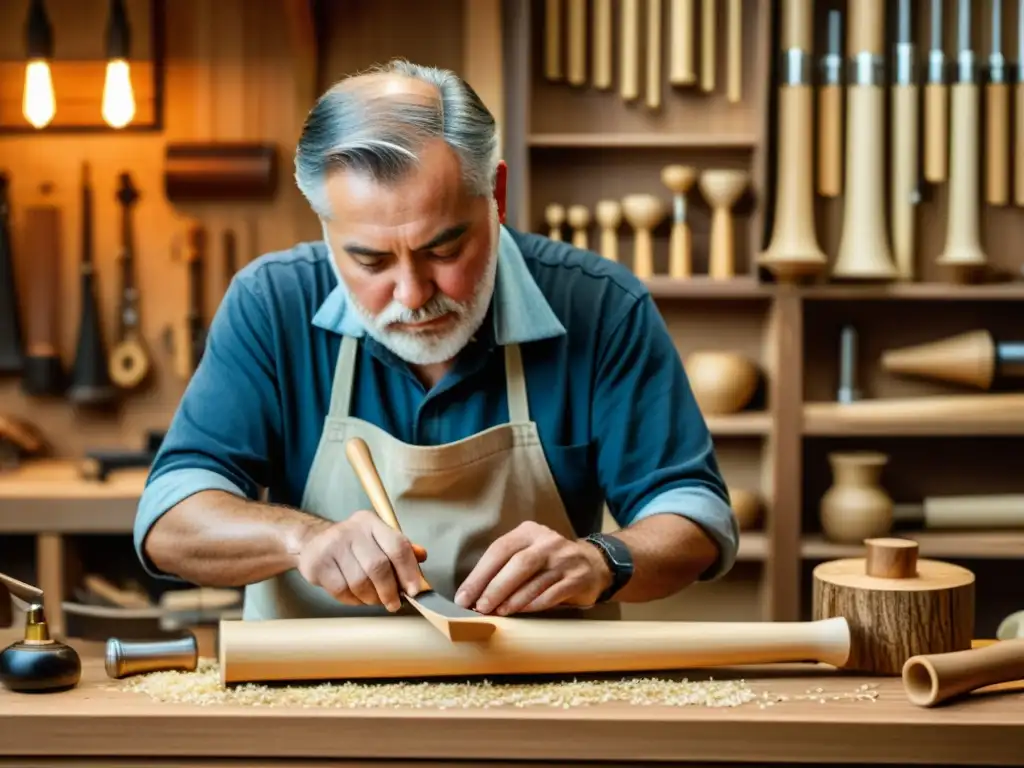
(904, 126)
(653, 54)
(707, 46)
(404, 646)
(629, 63)
(734, 76)
(681, 70)
(830, 112)
(997, 117)
(553, 40)
(602, 45)
(577, 67)
(936, 104)
(974, 512)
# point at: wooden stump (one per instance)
(897, 606)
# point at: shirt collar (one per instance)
(520, 311)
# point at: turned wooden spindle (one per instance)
(734, 73)
(576, 68)
(629, 50)
(553, 40)
(602, 44)
(608, 214)
(722, 188)
(643, 212)
(554, 215)
(579, 219)
(679, 179)
(681, 63)
(930, 679)
(708, 50)
(653, 54)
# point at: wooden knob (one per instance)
(554, 215)
(579, 219)
(891, 558)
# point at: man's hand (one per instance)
(358, 559)
(533, 568)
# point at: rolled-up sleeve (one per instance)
(225, 431)
(655, 452)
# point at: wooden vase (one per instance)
(856, 507)
(722, 382)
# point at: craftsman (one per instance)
(508, 386)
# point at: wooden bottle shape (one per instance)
(864, 252)
(722, 189)
(794, 251)
(579, 219)
(554, 215)
(608, 214)
(679, 179)
(934, 678)
(967, 358)
(856, 507)
(644, 213)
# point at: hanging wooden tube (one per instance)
(830, 111)
(936, 103)
(997, 117)
(629, 51)
(653, 54)
(708, 50)
(904, 121)
(681, 60)
(553, 40)
(602, 44)
(576, 68)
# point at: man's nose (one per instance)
(413, 289)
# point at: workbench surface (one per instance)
(90, 721)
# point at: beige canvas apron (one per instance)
(453, 499)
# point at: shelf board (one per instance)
(664, 287)
(911, 417)
(917, 291)
(745, 423)
(753, 547)
(640, 140)
(966, 545)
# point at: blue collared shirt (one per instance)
(618, 422)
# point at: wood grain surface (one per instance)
(91, 722)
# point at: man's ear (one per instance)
(501, 189)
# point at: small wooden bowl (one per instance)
(746, 506)
(722, 382)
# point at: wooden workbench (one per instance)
(93, 726)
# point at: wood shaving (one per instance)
(204, 688)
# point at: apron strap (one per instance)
(344, 376)
(515, 385)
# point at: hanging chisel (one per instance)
(936, 104)
(997, 116)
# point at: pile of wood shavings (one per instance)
(204, 688)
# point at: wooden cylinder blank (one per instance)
(408, 646)
(602, 44)
(681, 69)
(629, 50)
(576, 68)
(220, 172)
(913, 607)
(708, 50)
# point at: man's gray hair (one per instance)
(355, 125)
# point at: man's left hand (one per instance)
(533, 568)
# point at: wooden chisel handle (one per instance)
(936, 132)
(904, 177)
(653, 54)
(602, 59)
(830, 140)
(734, 75)
(707, 46)
(42, 281)
(577, 66)
(629, 75)
(997, 141)
(681, 71)
(358, 453)
(1018, 152)
(553, 39)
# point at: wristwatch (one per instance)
(619, 559)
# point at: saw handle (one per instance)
(358, 453)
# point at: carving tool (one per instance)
(188, 338)
(931, 679)
(975, 359)
(629, 51)
(554, 215)
(90, 376)
(976, 512)
(793, 250)
(129, 360)
(608, 214)
(905, 195)
(579, 219)
(679, 179)
(453, 621)
(997, 116)
(576, 69)
(708, 50)
(602, 30)
(653, 54)
(722, 189)
(847, 392)
(734, 75)
(1018, 153)
(403, 647)
(11, 348)
(36, 663)
(830, 111)
(864, 252)
(643, 212)
(553, 40)
(936, 104)
(681, 69)
(963, 252)
(44, 374)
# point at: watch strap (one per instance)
(619, 560)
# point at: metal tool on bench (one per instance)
(38, 662)
(98, 464)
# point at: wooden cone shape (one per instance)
(968, 358)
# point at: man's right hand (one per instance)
(357, 561)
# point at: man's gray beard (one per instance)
(429, 348)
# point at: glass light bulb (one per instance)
(118, 97)
(38, 102)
